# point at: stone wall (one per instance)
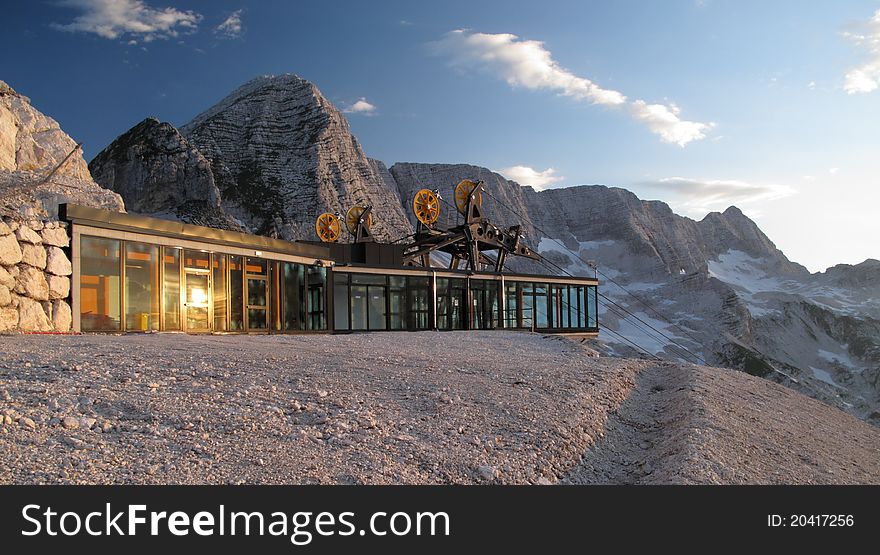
(34, 276)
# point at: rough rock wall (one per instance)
(34, 276)
(155, 169)
(32, 145)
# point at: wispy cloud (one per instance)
(865, 77)
(528, 64)
(360, 106)
(112, 19)
(700, 196)
(231, 27)
(524, 175)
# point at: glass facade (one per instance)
(99, 293)
(137, 286)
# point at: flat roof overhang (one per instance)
(122, 221)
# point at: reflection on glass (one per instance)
(141, 287)
(340, 301)
(419, 295)
(510, 306)
(541, 305)
(397, 304)
(99, 284)
(592, 307)
(528, 302)
(317, 278)
(377, 307)
(171, 288)
(236, 294)
(257, 318)
(219, 274)
(196, 301)
(358, 307)
(256, 292)
(256, 266)
(196, 260)
(294, 303)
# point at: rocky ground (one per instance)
(455, 407)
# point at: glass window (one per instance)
(256, 266)
(274, 292)
(419, 302)
(582, 304)
(219, 271)
(396, 302)
(317, 279)
(257, 292)
(236, 294)
(484, 298)
(99, 284)
(367, 279)
(376, 295)
(196, 260)
(358, 307)
(592, 307)
(196, 301)
(171, 288)
(528, 302)
(141, 286)
(511, 305)
(294, 303)
(569, 294)
(541, 320)
(396, 305)
(257, 318)
(340, 301)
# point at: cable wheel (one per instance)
(426, 206)
(463, 192)
(353, 218)
(328, 228)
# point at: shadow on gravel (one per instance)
(642, 440)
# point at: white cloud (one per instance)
(522, 63)
(525, 175)
(112, 19)
(528, 64)
(865, 77)
(231, 26)
(833, 171)
(811, 85)
(700, 196)
(663, 120)
(362, 107)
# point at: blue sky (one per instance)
(767, 105)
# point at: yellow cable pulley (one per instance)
(353, 217)
(328, 228)
(463, 193)
(426, 206)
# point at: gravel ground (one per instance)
(452, 407)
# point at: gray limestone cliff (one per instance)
(157, 172)
(282, 154)
(40, 165)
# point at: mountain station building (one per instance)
(135, 273)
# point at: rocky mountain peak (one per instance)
(281, 154)
(157, 171)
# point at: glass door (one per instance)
(197, 301)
